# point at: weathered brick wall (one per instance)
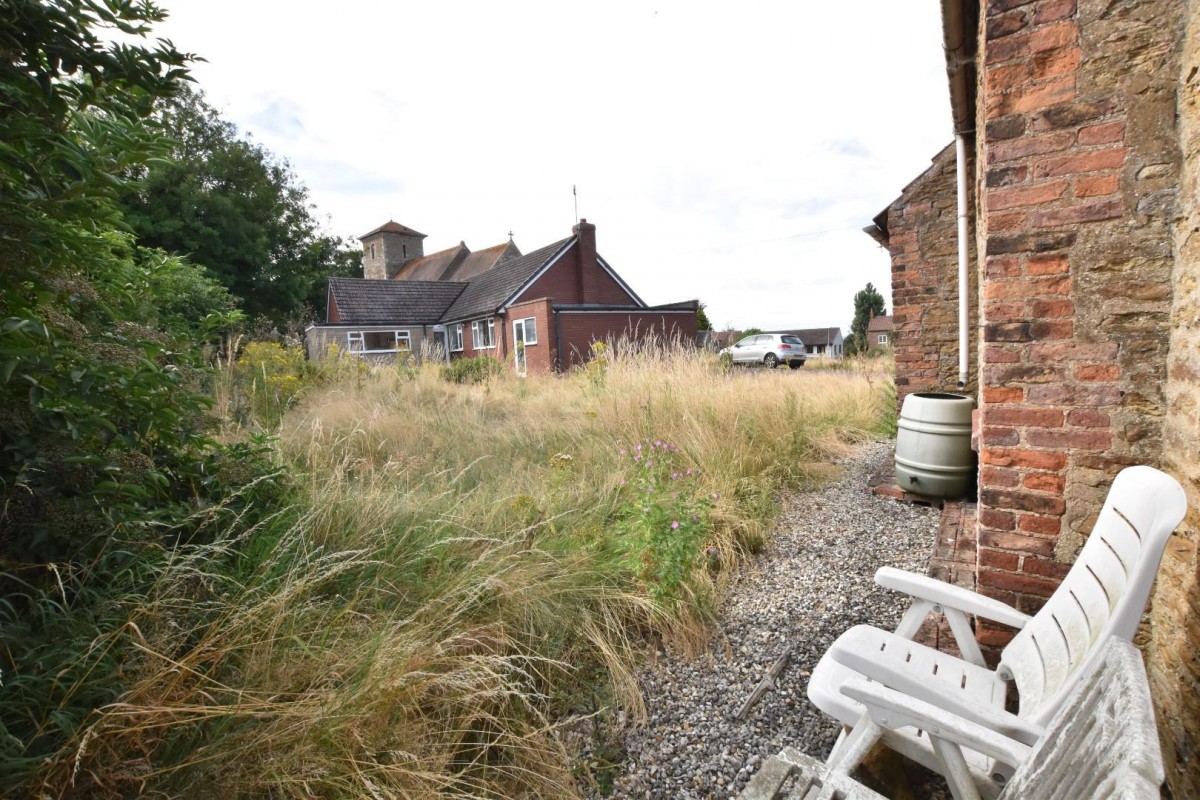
(1174, 649)
(923, 242)
(1080, 160)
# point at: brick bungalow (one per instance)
(539, 312)
(1081, 128)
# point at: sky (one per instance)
(726, 152)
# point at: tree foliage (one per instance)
(233, 207)
(106, 451)
(702, 323)
(868, 303)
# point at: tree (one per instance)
(105, 447)
(702, 323)
(750, 332)
(868, 303)
(231, 206)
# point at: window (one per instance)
(883, 338)
(404, 250)
(530, 330)
(455, 338)
(377, 341)
(372, 249)
(483, 333)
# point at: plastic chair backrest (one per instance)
(1103, 595)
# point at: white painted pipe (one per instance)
(960, 157)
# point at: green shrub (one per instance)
(472, 370)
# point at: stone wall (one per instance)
(384, 253)
(1080, 160)
(923, 242)
(1174, 649)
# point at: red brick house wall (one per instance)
(539, 358)
(568, 285)
(580, 329)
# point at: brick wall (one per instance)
(1079, 156)
(922, 239)
(539, 357)
(580, 329)
(567, 284)
(1174, 649)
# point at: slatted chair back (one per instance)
(1103, 595)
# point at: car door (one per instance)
(743, 351)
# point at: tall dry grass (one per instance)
(455, 582)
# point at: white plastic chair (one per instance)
(1102, 743)
(1103, 595)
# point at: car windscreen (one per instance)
(792, 340)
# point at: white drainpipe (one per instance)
(960, 153)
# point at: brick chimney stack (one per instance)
(588, 268)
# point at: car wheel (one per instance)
(772, 361)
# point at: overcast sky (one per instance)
(726, 152)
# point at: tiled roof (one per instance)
(814, 336)
(433, 267)
(489, 290)
(481, 261)
(392, 226)
(375, 302)
(881, 323)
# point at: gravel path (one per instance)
(813, 582)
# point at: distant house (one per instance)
(880, 333)
(819, 342)
(540, 312)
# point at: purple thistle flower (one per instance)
(674, 524)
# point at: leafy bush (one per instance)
(472, 370)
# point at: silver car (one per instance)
(768, 349)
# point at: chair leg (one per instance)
(852, 748)
(837, 745)
(955, 769)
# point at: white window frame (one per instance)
(456, 338)
(356, 341)
(882, 339)
(481, 333)
(530, 325)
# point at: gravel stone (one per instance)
(813, 581)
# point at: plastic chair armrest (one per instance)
(948, 595)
